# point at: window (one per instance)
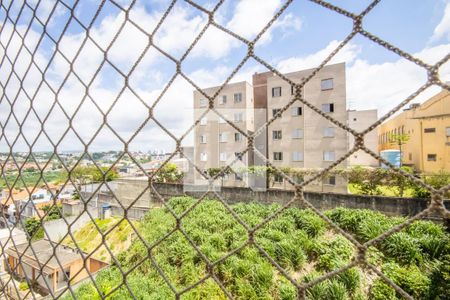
(278, 156)
(203, 139)
(447, 131)
(328, 132)
(276, 91)
(292, 90)
(203, 102)
(238, 117)
(278, 178)
(223, 100)
(354, 119)
(410, 156)
(276, 134)
(223, 156)
(431, 157)
(326, 84)
(67, 275)
(238, 137)
(203, 121)
(223, 137)
(296, 111)
(330, 180)
(275, 111)
(203, 156)
(328, 107)
(328, 156)
(297, 133)
(297, 156)
(429, 130)
(237, 177)
(237, 97)
(238, 155)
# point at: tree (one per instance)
(53, 212)
(34, 228)
(368, 181)
(436, 180)
(399, 140)
(169, 173)
(93, 173)
(399, 180)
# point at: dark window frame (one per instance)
(298, 111)
(278, 156)
(277, 135)
(432, 157)
(323, 87)
(277, 88)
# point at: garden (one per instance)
(417, 258)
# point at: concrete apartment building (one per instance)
(217, 143)
(301, 138)
(360, 120)
(428, 127)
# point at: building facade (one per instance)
(300, 137)
(218, 143)
(296, 137)
(427, 130)
(360, 120)
(50, 266)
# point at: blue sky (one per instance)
(303, 36)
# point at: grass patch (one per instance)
(384, 190)
(417, 258)
(89, 238)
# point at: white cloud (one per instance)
(442, 30)
(249, 18)
(376, 85)
(369, 85)
(288, 24)
(347, 54)
(385, 85)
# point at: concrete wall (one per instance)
(393, 206)
(57, 229)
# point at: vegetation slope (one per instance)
(417, 259)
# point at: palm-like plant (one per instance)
(399, 140)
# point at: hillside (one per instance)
(118, 237)
(417, 258)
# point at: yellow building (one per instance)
(428, 128)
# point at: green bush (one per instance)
(34, 229)
(380, 290)
(23, 286)
(402, 247)
(440, 278)
(411, 279)
(351, 279)
(296, 239)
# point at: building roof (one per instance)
(16, 195)
(43, 252)
(436, 106)
(5, 233)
